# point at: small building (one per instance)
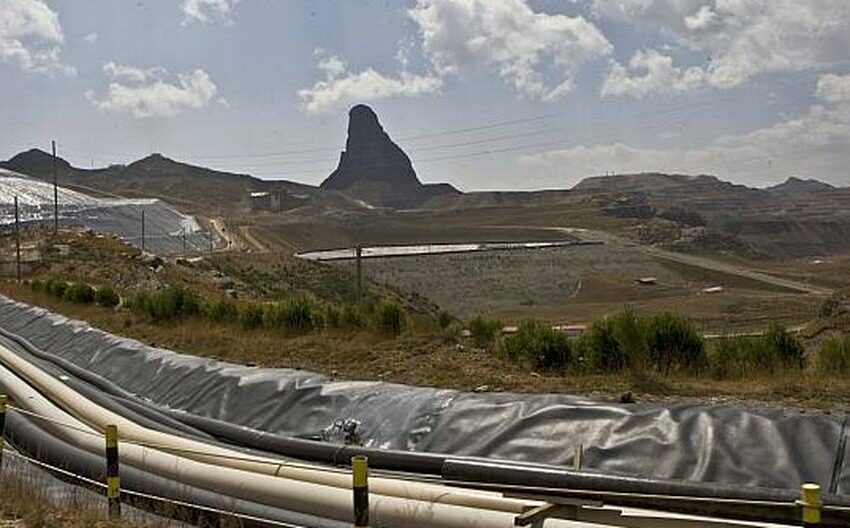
(646, 281)
(572, 330)
(268, 200)
(713, 289)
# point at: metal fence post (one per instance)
(811, 503)
(113, 481)
(2, 427)
(360, 470)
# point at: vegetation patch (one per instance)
(484, 331)
(539, 345)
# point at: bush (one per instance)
(56, 287)
(296, 314)
(629, 333)
(604, 351)
(251, 316)
(169, 304)
(332, 316)
(79, 292)
(673, 342)
(539, 345)
(106, 297)
(788, 348)
(737, 357)
(220, 310)
(389, 318)
(834, 355)
(351, 316)
(484, 331)
(444, 319)
(37, 286)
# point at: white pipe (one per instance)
(314, 499)
(99, 417)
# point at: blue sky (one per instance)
(485, 94)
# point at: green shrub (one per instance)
(220, 310)
(78, 292)
(629, 332)
(444, 319)
(332, 316)
(251, 316)
(37, 286)
(296, 314)
(602, 348)
(484, 331)
(138, 302)
(389, 318)
(737, 357)
(106, 297)
(351, 316)
(672, 342)
(540, 346)
(169, 304)
(788, 348)
(834, 355)
(56, 287)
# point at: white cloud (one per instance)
(650, 72)
(340, 87)
(31, 36)
(536, 53)
(129, 73)
(205, 11)
(743, 39)
(146, 92)
(834, 88)
(91, 38)
(332, 66)
(815, 144)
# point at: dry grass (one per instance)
(25, 503)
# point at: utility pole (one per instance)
(358, 255)
(210, 238)
(17, 242)
(143, 230)
(55, 194)
(183, 232)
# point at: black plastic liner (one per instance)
(728, 445)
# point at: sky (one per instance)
(483, 94)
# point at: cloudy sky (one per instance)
(485, 94)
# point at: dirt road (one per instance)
(702, 262)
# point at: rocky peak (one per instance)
(35, 162)
(799, 185)
(373, 163)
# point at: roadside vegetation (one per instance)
(663, 345)
(290, 314)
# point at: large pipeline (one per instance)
(410, 504)
(461, 469)
(29, 438)
(310, 499)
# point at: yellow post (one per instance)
(577, 456)
(2, 427)
(113, 481)
(811, 503)
(360, 471)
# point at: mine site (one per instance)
(425, 263)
